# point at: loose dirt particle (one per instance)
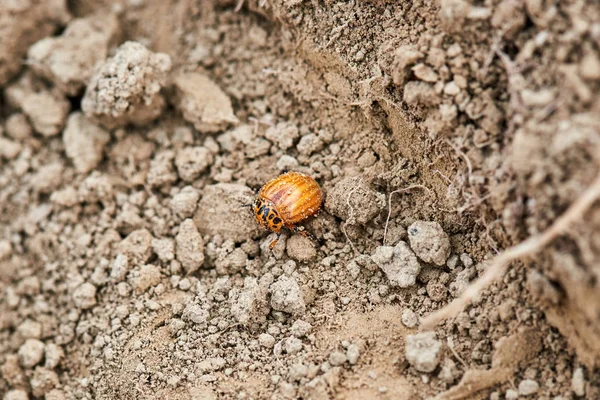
(300, 328)
(404, 58)
(30, 329)
(353, 352)
(31, 353)
(5, 249)
(48, 178)
(409, 318)
(17, 126)
(292, 345)
(84, 142)
(337, 358)
(137, 246)
(46, 111)
(266, 340)
(162, 172)
(53, 355)
(68, 60)
(148, 276)
(249, 305)
(9, 149)
(120, 268)
(301, 248)
(22, 25)
(195, 313)
(16, 394)
(192, 161)
(528, 387)
(212, 364)
(55, 394)
(420, 93)
(84, 296)
(448, 372)
(164, 249)
(286, 296)
(175, 325)
(220, 213)
(364, 202)
(43, 381)
(203, 103)
(189, 246)
(309, 144)
(283, 134)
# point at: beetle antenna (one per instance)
(246, 205)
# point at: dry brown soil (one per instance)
(129, 270)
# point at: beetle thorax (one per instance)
(266, 214)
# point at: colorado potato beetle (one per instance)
(285, 201)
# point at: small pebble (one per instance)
(31, 353)
(301, 328)
(53, 354)
(195, 314)
(16, 394)
(266, 340)
(511, 394)
(337, 358)
(528, 387)
(578, 382)
(353, 352)
(84, 296)
(292, 345)
(409, 318)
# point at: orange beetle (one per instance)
(285, 201)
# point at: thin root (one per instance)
(450, 344)
(387, 221)
(464, 156)
(498, 266)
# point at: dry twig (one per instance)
(498, 266)
(239, 6)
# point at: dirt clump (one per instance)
(203, 103)
(126, 88)
(23, 24)
(69, 60)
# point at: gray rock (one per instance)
(399, 264)
(528, 387)
(429, 242)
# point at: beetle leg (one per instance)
(301, 231)
(274, 242)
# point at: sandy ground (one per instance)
(443, 134)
